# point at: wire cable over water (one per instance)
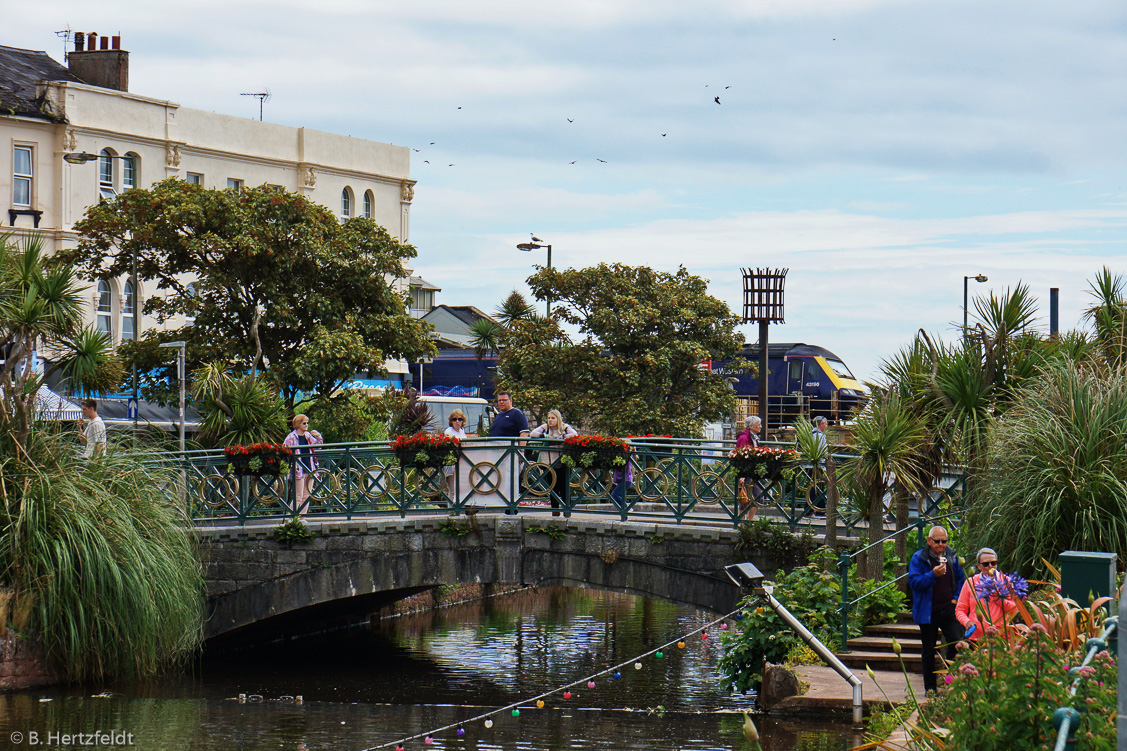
(578, 682)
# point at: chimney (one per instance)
(104, 67)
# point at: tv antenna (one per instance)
(263, 97)
(65, 34)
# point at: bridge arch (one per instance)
(358, 566)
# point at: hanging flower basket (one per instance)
(421, 450)
(762, 463)
(258, 459)
(595, 452)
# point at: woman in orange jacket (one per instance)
(987, 598)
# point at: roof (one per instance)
(19, 70)
(418, 281)
(787, 349)
(467, 314)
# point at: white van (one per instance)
(441, 407)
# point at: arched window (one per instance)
(130, 171)
(127, 329)
(104, 316)
(346, 203)
(105, 175)
(369, 202)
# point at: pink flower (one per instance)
(1086, 671)
(948, 679)
(969, 670)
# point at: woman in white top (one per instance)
(555, 427)
(456, 429)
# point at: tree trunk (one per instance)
(874, 559)
(900, 498)
(831, 504)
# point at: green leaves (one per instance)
(323, 293)
(636, 368)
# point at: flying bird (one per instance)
(727, 87)
(570, 120)
(415, 150)
(432, 143)
(663, 135)
(426, 161)
(717, 99)
(449, 165)
(573, 162)
(604, 161)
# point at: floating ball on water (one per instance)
(539, 703)
(567, 694)
(516, 713)
(590, 684)
(680, 645)
(617, 675)
(659, 655)
(637, 666)
(488, 724)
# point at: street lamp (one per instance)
(181, 366)
(537, 245)
(83, 157)
(978, 278)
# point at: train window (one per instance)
(839, 369)
(796, 370)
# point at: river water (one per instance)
(375, 684)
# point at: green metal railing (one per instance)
(672, 480)
(1065, 718)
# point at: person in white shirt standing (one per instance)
(93, 433)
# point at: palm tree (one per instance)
(514, 308)
(1109, 315)
(484, 337)
(41, 310)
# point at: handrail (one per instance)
(1065, 716)
(845, 560)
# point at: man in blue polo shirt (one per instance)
(509, 422)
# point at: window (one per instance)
(368, 201)
(127, 312)
(129, 172)
(190, 314)
(21, 176)
(105, 308)
(105, 175)
(345, 203)
(195, 178)
(233, 184)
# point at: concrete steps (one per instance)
(874, 647)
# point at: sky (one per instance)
(881, 150)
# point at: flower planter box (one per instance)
(761, 463)
(421, 451)
(258, 459)
(596, 453)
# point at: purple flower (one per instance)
(1001, 587)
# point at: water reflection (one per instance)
(400, 676)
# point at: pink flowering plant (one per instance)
(763, 463)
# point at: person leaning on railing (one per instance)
(749, 436)
(557, 429)
(988, 614)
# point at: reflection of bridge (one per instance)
(355, 567)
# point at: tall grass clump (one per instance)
(1057, 477)
(99, 559)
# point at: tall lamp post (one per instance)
(537, 245)
(181, 366)
(82, 158)
(978, 278)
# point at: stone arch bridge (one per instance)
(356, 567)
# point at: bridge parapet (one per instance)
(357, 566)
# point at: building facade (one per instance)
(49, 111)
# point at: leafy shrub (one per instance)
(293, 532)
(350, 416)
(786, 548)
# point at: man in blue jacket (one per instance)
(935, 578)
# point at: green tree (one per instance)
(41, 312)
(276, 278)
(636, 369)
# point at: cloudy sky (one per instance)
(879, 149)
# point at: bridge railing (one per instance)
(678, 479)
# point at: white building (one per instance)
(48, 111)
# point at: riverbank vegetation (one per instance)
(96, 559)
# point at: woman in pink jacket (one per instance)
(301, 441)
(983, 605)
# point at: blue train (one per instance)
(803, 379)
